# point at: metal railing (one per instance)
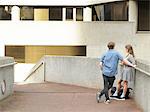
(34, 70)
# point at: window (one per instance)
(143, 15)
(107, 12)
(79, 14)
(69, 13)
(55, 13)
(119, 11)
(116, 11)
(26, 13)
(41, 13)
(18, 52)
(5, 13)
(32, 53)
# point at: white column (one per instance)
(64, 14)
(2, 49)
(15, 13)
(74, 14)
(133, 12)
(87, 14)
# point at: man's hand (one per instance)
(101, 65)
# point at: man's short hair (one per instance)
(111, 45)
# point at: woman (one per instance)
(127, 74)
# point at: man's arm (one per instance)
(101, 61)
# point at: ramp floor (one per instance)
(53, 97)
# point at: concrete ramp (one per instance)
(54, 97)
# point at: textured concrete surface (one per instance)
(81, 71)
(142, 86)
(6, 76)
(95, 35)
(51, 97)
(6, 60)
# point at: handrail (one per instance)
(143, 71)
(9, 64)
(139, 69)
(34, 70)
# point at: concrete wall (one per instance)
(7, 76)
(95, 35)
(81, 71)
(100, 33)
(142, 85)
(142, 46)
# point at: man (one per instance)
(109, 64)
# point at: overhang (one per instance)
(55, 2)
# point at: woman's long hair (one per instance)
(130, 49)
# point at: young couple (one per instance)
(109, 63)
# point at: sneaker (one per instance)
(98, 97)
(115, 94)
(107, 102)
(113, 97)
(122, 97)
(119, 98)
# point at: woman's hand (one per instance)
(134, 66)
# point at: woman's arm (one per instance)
(126, 62)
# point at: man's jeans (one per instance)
(108, 83)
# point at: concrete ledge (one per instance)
(6, 76)
(142, 85)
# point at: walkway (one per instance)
(52, 97)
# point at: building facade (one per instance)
(31, 29)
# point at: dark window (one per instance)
(32, 53)
(26, 13)
(69, 13)
(107, 12)
(119, 11)
(5, 13)
(79, 14)
(55, 13)
(143, 15)
(116, 11)
(18, 52)
(94, 14)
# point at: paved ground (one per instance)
(52, 97)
